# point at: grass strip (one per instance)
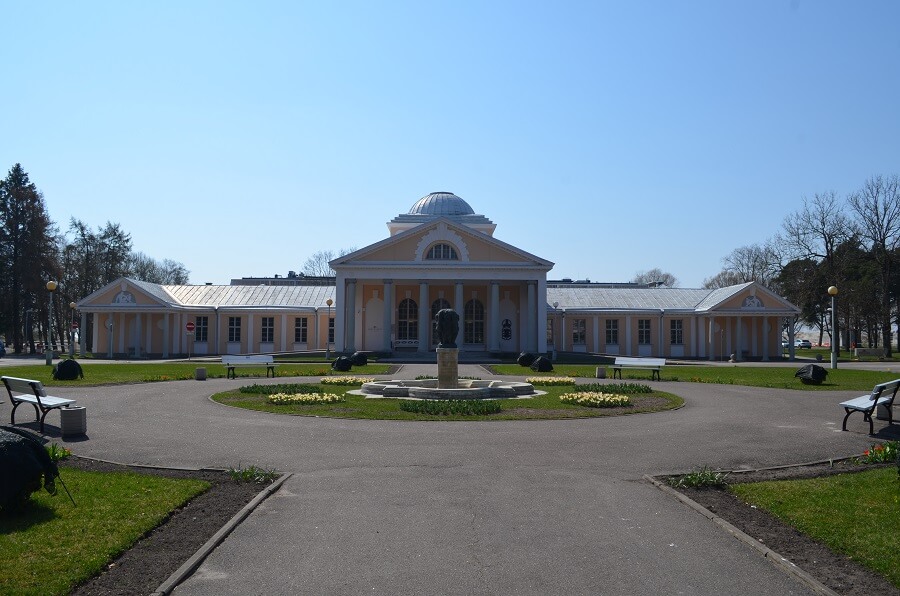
(774, 377)
(112, 373)
(854, 514)
(53, 546)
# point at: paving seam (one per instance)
(191, 565)
(772, 556)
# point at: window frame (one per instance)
(645, 332)
(612, 332)
(201, 328)
(234, 330)
(676, 332)
(301, 330)
(267, 330)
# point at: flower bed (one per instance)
(550, 381)
(345, 380)
(596, 399)
(284, 399)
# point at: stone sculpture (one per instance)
(447, 327)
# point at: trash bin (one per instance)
(73, 421)
(200, 374)
(601, 372)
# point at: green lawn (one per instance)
(357, 406)
(854, 514)
(54, 545)
(113, 373)
(776, 377)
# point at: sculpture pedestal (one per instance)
(448, 368)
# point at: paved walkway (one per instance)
(529, 507)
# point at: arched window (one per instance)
(442, 252)
(437, 305)
(473, 322)
(408, 320)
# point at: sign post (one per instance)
(189, 328)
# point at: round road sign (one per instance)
(189, 326)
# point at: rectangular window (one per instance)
(331, 330)
(301, 329)
(268, 330)
(234, 329)
(612, 331)
(550, 332)
(676, 332)
(201, 330)
(578, 333)
(644, 331)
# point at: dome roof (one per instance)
(441, 203)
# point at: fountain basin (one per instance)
(465, 389)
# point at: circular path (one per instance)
(524, 507)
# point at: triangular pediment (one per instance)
(127, 293)
(411, 247)
(748, 298)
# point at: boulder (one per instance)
(525, 359)
(541, 364)
(359, 359)
(68, 370)
(341, 364)
(811, 374)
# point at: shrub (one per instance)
(595, 399)
(282, 388)
(445, 407)
(699, 479)
(253, 474)
(57, 452)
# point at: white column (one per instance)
(494, 322)
(148, 337)
(176, 340)
(728, 337)
(284, 332)
(122, 349)
(711, 339)
(628, 336)
(250, 341)
(388, 313)
(765, 338)
(540, 323)
(531, 342)
(424, 317)
(338, 310)
(459, 307)
(165, 330)
(138, 332)
(82, 334)
(596, 334)
(694, 351)
(350, 316)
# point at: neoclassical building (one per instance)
(440, 254)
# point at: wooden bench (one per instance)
(654, 365)
(232, 361)
(26, 391)
(882, 395)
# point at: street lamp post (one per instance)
(329, 302)
(835, 336)
(72, 306)
(48, 350)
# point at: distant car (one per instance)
(803, 343)
(785, 344)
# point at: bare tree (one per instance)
(755, 262)
(877, 207)
(318, 264)
(655, 277)
(722, 279)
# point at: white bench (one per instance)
(654, 365)
(232, 361)
(882, 395)
(26, 391)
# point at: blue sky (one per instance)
(609, 138)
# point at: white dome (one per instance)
(441, 204)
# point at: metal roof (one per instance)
(601, 298)
(262, 296)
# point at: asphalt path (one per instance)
(518, 507)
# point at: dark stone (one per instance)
(811, 374)
(341, 364)
(24, 462)
(447, 327)
(68, 370)
(525, 359)
(541, 364)
(359, 359)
